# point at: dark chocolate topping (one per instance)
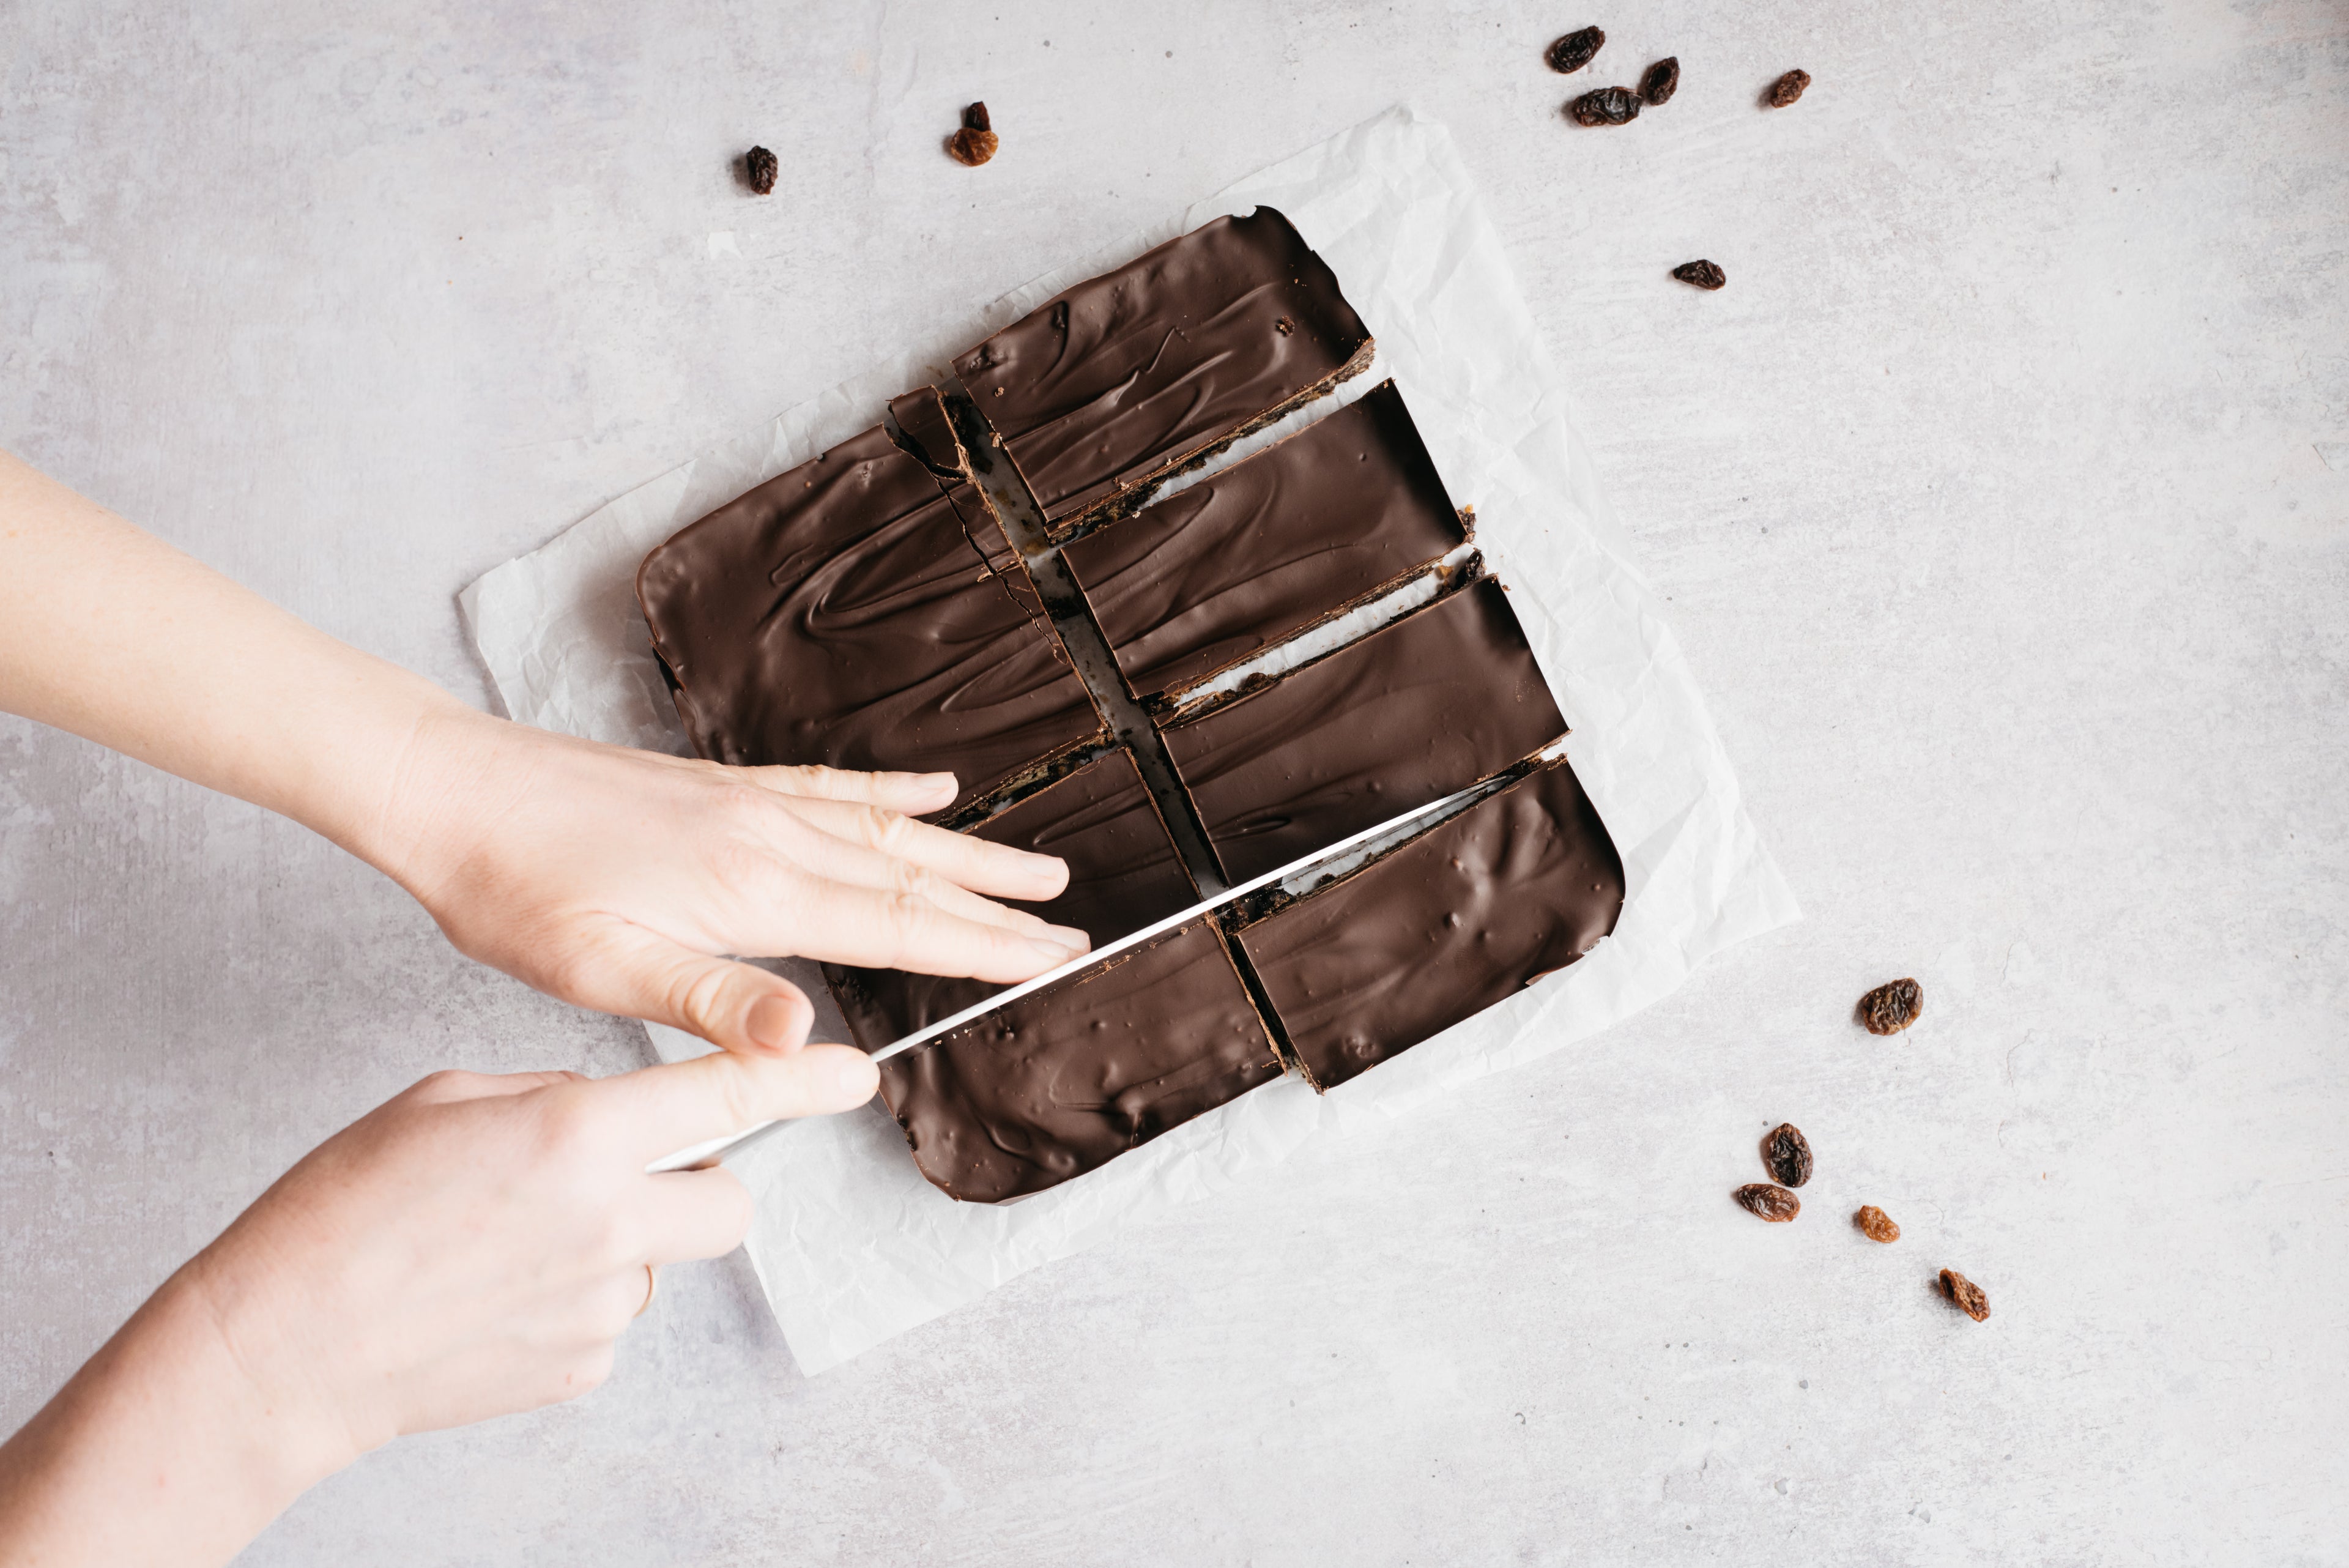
(1130, 373)
(1069, 1078)
(1467, 915)
(840, 614)
(1123, 873)
(1266, 547)
(1446, 696)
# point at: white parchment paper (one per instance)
(852, 1245)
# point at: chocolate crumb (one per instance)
(1876, 1224)
(1787, 89)
(1662, 80)
(1606, 106)
(1575, 50)
(1890, 1008)
(1284, 326)
(761, 166)
(1965, 1295)
(1774, 1204)
(1705, 274)
(1788, 1155)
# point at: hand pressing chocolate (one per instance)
(610, 878)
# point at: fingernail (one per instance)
(1054, 954)
(854, 1077)
(776, 1022)
(1068, 937)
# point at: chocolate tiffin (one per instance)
(1067, 1078)
(1449, 924)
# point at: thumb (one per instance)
(640, 973)
(677, 1103)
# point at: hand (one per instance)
(613, 879)
(470, 1248)
(610, 878)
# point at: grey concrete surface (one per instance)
(2002, 498)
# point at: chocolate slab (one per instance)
(1069, 1078)
(1446, 696)
(1123, 873)
(1127, 377)
(1271, 545)
(1465, 915)
(840, 614)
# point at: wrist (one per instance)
(171, 1444)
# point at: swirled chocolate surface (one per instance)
(840, 614)
(1268, 546)
(1446, 696)
(1123, 873)
(1130, 374)
(1069, 1077)
(1465, 915)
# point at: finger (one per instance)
(993, 868)
(690, 1214)
(678, 1103)
(629, 970)
(915, 793)
(451, 1084)
(875, 928)
(799, 844)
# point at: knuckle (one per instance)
(448, 1084)
(697, 994)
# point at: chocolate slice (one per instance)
(1465, 915)
(1129, 376)
(1123, 873)
(1347, 508)
(841, 614)
(1069, 1078)
(1446, 696)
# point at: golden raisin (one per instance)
(1774, 1204)
(1876, 1224)
(1965, 1294)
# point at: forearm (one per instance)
(110, 633)
(162, 1450)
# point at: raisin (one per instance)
(1774, 1204)
(1787, 1153)
(1787, 89)
(1606, 105)
(1890, 1008)
(1662, 80)
(761, 166)
(1575, 50)
(975, 142)
(1703, 273)
(1876, 1224)
(1965, 1295)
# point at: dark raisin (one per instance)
(1606, 105)
(1964, 1294)
(1703, 273)
(1787, 1153)
(1876, 1224)
(1787, 89)
(1662, 80)
(1774, 1204)
(1889, 1009)
(975, 118)
(1575, 50)
(759, 165)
